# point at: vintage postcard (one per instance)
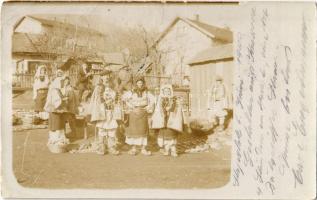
(158, 100)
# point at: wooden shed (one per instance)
(206, 65)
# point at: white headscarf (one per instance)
(38, 84)
(54, 98)
(96, 106)
(38, 72)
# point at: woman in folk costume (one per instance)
(56, 107)
(107, 127)
(217, 103)
(168, 116)
(40, 90)
(71, 104)
(138, 126)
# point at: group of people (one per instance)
(107, 109)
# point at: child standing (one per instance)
(108, 126)
(171, 112)
(98, 113)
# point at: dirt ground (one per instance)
(34, 166)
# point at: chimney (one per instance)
(197, 17)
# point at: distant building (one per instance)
(36, 41)
(180, 42)
(204, 67)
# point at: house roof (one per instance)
(219, 33)
(33, 43)
(211, 31)
(22, 43)
(213, 54)
(55, 23)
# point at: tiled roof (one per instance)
(211, 31)
(55, 24)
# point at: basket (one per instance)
(57, 148)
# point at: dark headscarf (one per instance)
(138, 90)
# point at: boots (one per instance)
(174, 151)
(133, 150)
(101, 150)
(111, 142)
(145, 152)
(166, 150)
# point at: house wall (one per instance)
(202, 77)
(29, 26)
(179, 46)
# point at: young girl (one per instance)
(108, 126)
(172, 117)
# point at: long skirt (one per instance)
(137, 131)
(56, 121)
(167, 136)
(40, 99)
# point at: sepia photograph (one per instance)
(132, 97)
(158, 100)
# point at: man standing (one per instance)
(217, 103)
(84, 78)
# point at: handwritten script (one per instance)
(271, 108)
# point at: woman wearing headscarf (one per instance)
(138, 127)
(40, 90)
(56, 107)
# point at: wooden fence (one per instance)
(26, 81)
(22, 81)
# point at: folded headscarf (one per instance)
(38, 83)
(54, 96)
(137, 90)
